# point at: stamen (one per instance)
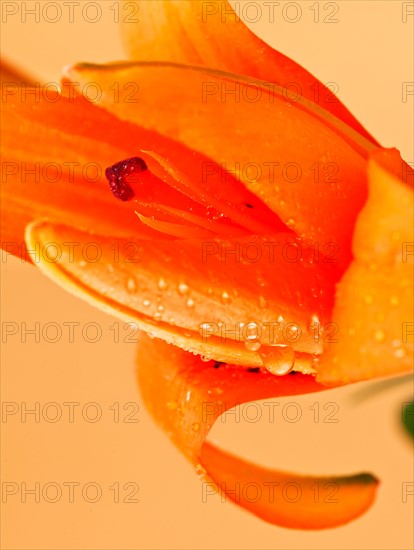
(117, 174)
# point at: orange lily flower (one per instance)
(326, 294)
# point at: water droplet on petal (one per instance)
(183, 288)
(262, 302)
(190, 302)
(225, 297)
(162, 285)
(252, 346)
(131, 285)
(251, 332)
(379, 335)
(146, 303)
(82, 263)
(195, 427)
(278, 360)
(200, 470)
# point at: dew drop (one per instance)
(200, 470)
(262, 302)
(195, 427)
(252, 346)
(131, 285)
(250, 332)
(400, 353)
(225, 297)
(205, 358)
(278, 360)
(379, 336)
(190, 303)
(183, 288)
(394, 301)
(162, 285)
(146, 303)
(157, 316)
(82, 263)
(206, 329)
(291, 222)
(314, 323)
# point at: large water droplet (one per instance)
(278, 360)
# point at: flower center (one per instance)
(171, 202)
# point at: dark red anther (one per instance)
(117, 176)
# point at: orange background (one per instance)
(368, 54)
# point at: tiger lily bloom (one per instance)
(251, 278)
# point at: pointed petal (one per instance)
(186, 395)
(308, 167)
(209, 291)
(373, 307)
(211, 34)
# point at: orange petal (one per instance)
(201, 295)
(186, 395)
(308, 166)
(55, 151)
(211, 34)
(373, 307)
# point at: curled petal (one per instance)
(186, 395)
